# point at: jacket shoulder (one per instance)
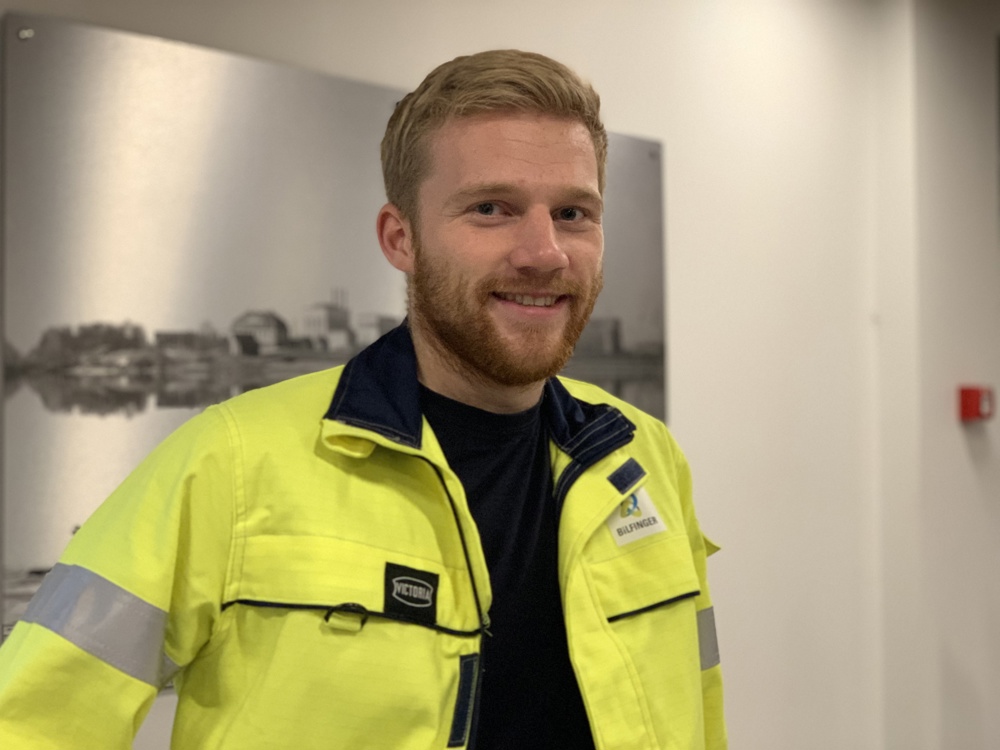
(302, 397)
(650, 431)
(593, 394)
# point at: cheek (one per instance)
(472, 255)
(588, 257)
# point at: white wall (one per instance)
(811, 317)
(767, 141)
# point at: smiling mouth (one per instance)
(528, 300)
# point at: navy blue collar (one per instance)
(379, 391)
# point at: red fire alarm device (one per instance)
(975, 403)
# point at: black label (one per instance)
(411, 593)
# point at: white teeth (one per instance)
(524, 299)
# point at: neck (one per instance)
(441, 372)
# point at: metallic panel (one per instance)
(216, 213)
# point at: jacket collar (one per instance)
(379, 391)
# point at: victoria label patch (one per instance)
(411, 593)
(635, 518)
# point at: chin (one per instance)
(530, 365)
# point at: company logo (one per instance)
(630, 508)
(412, 591)
(410, 594)
(635, 518)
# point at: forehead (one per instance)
(512, 147)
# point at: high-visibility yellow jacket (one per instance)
(309, 576)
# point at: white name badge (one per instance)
(635, 518)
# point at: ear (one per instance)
(395, 235)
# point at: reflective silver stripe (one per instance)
(104, 620)
(708, 641)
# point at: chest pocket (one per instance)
(651, 576)
(350, 583)
(314, 645)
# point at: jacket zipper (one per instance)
(484, 620)
(563, 485)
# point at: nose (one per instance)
(538, 246)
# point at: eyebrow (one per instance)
(506, 189)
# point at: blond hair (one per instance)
(493, 81)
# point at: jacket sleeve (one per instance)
(711, 670)
(134, 597)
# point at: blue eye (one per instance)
(569, 214)
(486, 209)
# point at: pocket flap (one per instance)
(646, 577)
(312, 571)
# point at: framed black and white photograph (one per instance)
(182, 224)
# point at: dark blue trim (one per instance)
(355, 609)
(379, 391)
(651, 607)
(626, 475)
(468, 673)
(586, 432)
(572, 472)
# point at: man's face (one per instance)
(507, 260)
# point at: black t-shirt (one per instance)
(530, 698)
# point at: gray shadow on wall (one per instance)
(963, 723)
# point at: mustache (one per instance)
(554, 287)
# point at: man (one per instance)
(440, 544)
